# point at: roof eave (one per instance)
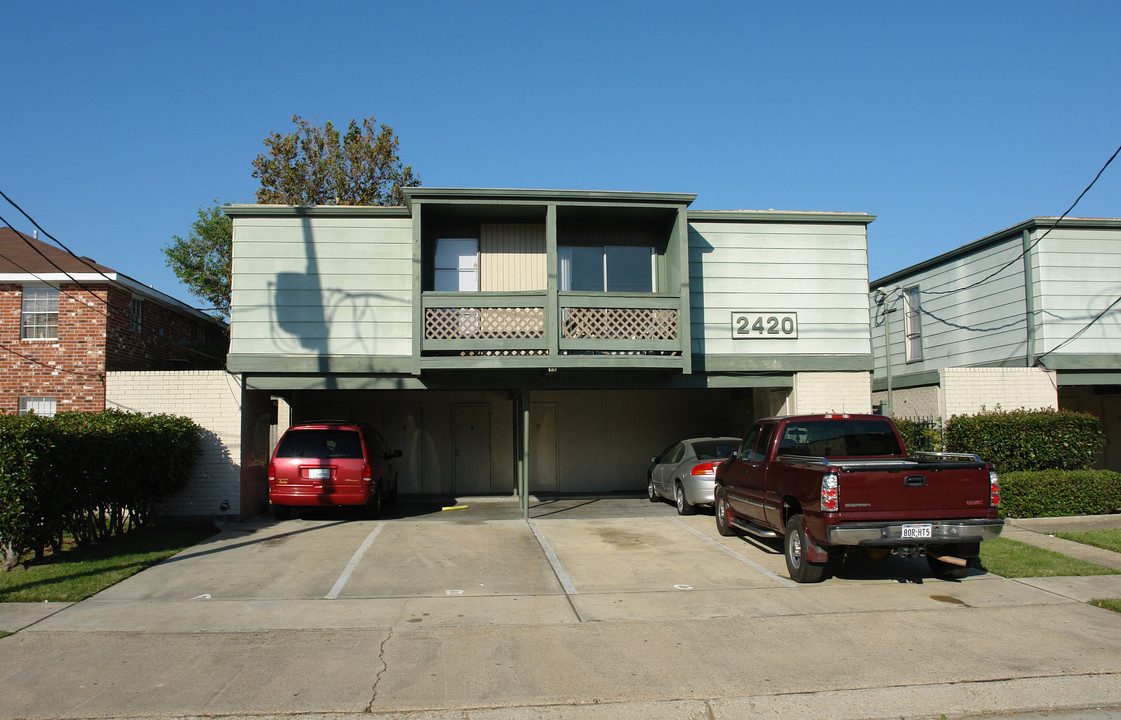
(994, 239)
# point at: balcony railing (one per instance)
(525, 324)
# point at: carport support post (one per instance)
(523, 460)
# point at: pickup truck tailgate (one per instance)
(913, 490)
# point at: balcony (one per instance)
(524, 330)
(529, 279)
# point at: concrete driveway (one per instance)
(591, 608)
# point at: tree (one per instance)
(315, 166)
(310, 166)
(202, 259)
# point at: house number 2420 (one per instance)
(764, 325)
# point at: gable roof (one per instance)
(994, 239)
(22, 254)
(25, 259)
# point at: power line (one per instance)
(1072, 338)
(58, 242)
(52, 262)
(50, 367)
(1038, 240)
(75, 298)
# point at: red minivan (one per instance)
(330, 463)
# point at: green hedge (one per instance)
(1056, 493)
(87, 475)
(1024, 440)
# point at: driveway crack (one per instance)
(384, 668)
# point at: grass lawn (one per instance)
(1113, 604)
(75, 574)
(1012, 559)
(1106, 539)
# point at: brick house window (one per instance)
(912, 324)
(137, 315)
(39, 314)
(41, 406)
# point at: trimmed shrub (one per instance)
(87, 475)
(1056, 493)
(1024, 440)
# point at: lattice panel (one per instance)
(484, 323)
(620, 324)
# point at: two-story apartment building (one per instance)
(548, 341)
(1028, 317)
(66, 321)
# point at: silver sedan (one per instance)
(685, 472)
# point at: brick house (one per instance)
(66, 321)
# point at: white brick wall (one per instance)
(825, 392)
(912, 403)
(967, 391)
(213, 399)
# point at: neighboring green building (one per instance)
(559, 338)
(1028, 317)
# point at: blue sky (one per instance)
(948, 120)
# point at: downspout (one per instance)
(885, 298)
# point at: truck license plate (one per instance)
(917, 531)
(325, 474)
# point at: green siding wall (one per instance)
(322, 286)
(818, 270)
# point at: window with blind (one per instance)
(39, 314)
(912, 324)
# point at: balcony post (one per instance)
(523, 463)
(552, 262)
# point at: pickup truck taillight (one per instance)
(830, 493)
(705, 468)
(994, 489)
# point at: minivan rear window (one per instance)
(344, 444)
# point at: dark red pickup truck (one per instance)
(831, 484)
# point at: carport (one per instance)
(542, 441)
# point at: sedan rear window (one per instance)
(714, 450)
(345, 444)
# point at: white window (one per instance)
(457, 264)
(39, 314)
(42, 406)
(912, 324)
(611, 268)
(137, 313)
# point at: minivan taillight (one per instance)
(994, 489)
(830, 493)
(705, 468)
(272, 472)
(367, 476)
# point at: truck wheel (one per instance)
(684, 507)
(651, 493)
(723, 516)
(794, 547)
(946, 571)
(282, 512)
